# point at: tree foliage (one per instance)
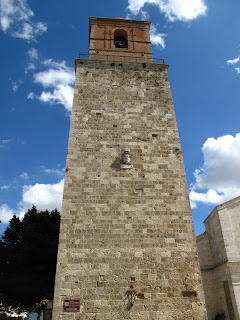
(28, 253)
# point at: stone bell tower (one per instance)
(127, 246)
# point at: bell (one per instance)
(119, 44)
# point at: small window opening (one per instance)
(120, 39)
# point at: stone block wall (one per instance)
(219, 257)
(216, 240)
(126, 232)
(229, 215)
(204, 252)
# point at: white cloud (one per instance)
(29, 32)
(5, 142)
(61, 74)
(15, 84)
(43, 196)
(61, 95)
(60, 79)
(238, 70)
(183, 10)
(6, 213)
(5, 187)
(56, 78)
(16, 18)
(40, 28)
(33, 53)
(157, 38)
(31, 96)
(145, 15)
(59, 172)
(10, 142)
(234, 61)
(24, 176)
(219, 178)
(31, 66)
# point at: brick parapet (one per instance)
(118, 64)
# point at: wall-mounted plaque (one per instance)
(71, 305)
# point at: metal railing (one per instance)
(141, 59)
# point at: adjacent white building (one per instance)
(219, 256)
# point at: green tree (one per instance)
(28, 251)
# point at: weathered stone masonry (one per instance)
(127, 248)
(219, 256)
(123, 228)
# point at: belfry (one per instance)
(127, 247)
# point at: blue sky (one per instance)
(200, 41)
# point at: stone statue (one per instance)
(126, 160)
(126, 157)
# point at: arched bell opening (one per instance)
(120, 39)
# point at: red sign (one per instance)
(71, 305)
